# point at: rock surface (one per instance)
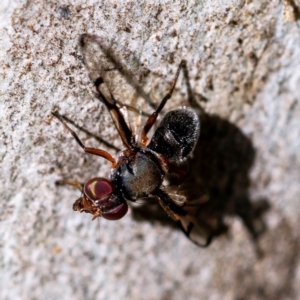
(243, 59)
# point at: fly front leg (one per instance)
(73, 183)
(94, 151)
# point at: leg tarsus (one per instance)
(192, 101)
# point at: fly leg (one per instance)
(94, 151)
(74, 183)
(117, 116)
(191, 98)
(96, 137)
(151, 120)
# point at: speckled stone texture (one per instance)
(243, 59)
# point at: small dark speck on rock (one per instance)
(89, 255)
(127, 29)
(233, 22)
(140, 236)
(253, 58)
(64, 11)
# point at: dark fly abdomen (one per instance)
(177, 134)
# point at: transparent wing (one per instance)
(119, 68)
(118, 71)
(198, 230)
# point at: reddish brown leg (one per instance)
(93, 151)
(151, 120)
(96, 137)
(74, 183)
(118, 119)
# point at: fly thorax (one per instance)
(139, 176)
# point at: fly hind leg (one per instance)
(151, 120)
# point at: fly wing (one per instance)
(196, 229)
(95, 60)
(115, 70)
(198, 232)
(118, 69)
(100, 66)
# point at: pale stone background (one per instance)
(243, 56)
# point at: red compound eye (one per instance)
(100, 192)
(117, 213)
(97, 189)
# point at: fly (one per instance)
(138, 171)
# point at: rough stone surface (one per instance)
(243, 59)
